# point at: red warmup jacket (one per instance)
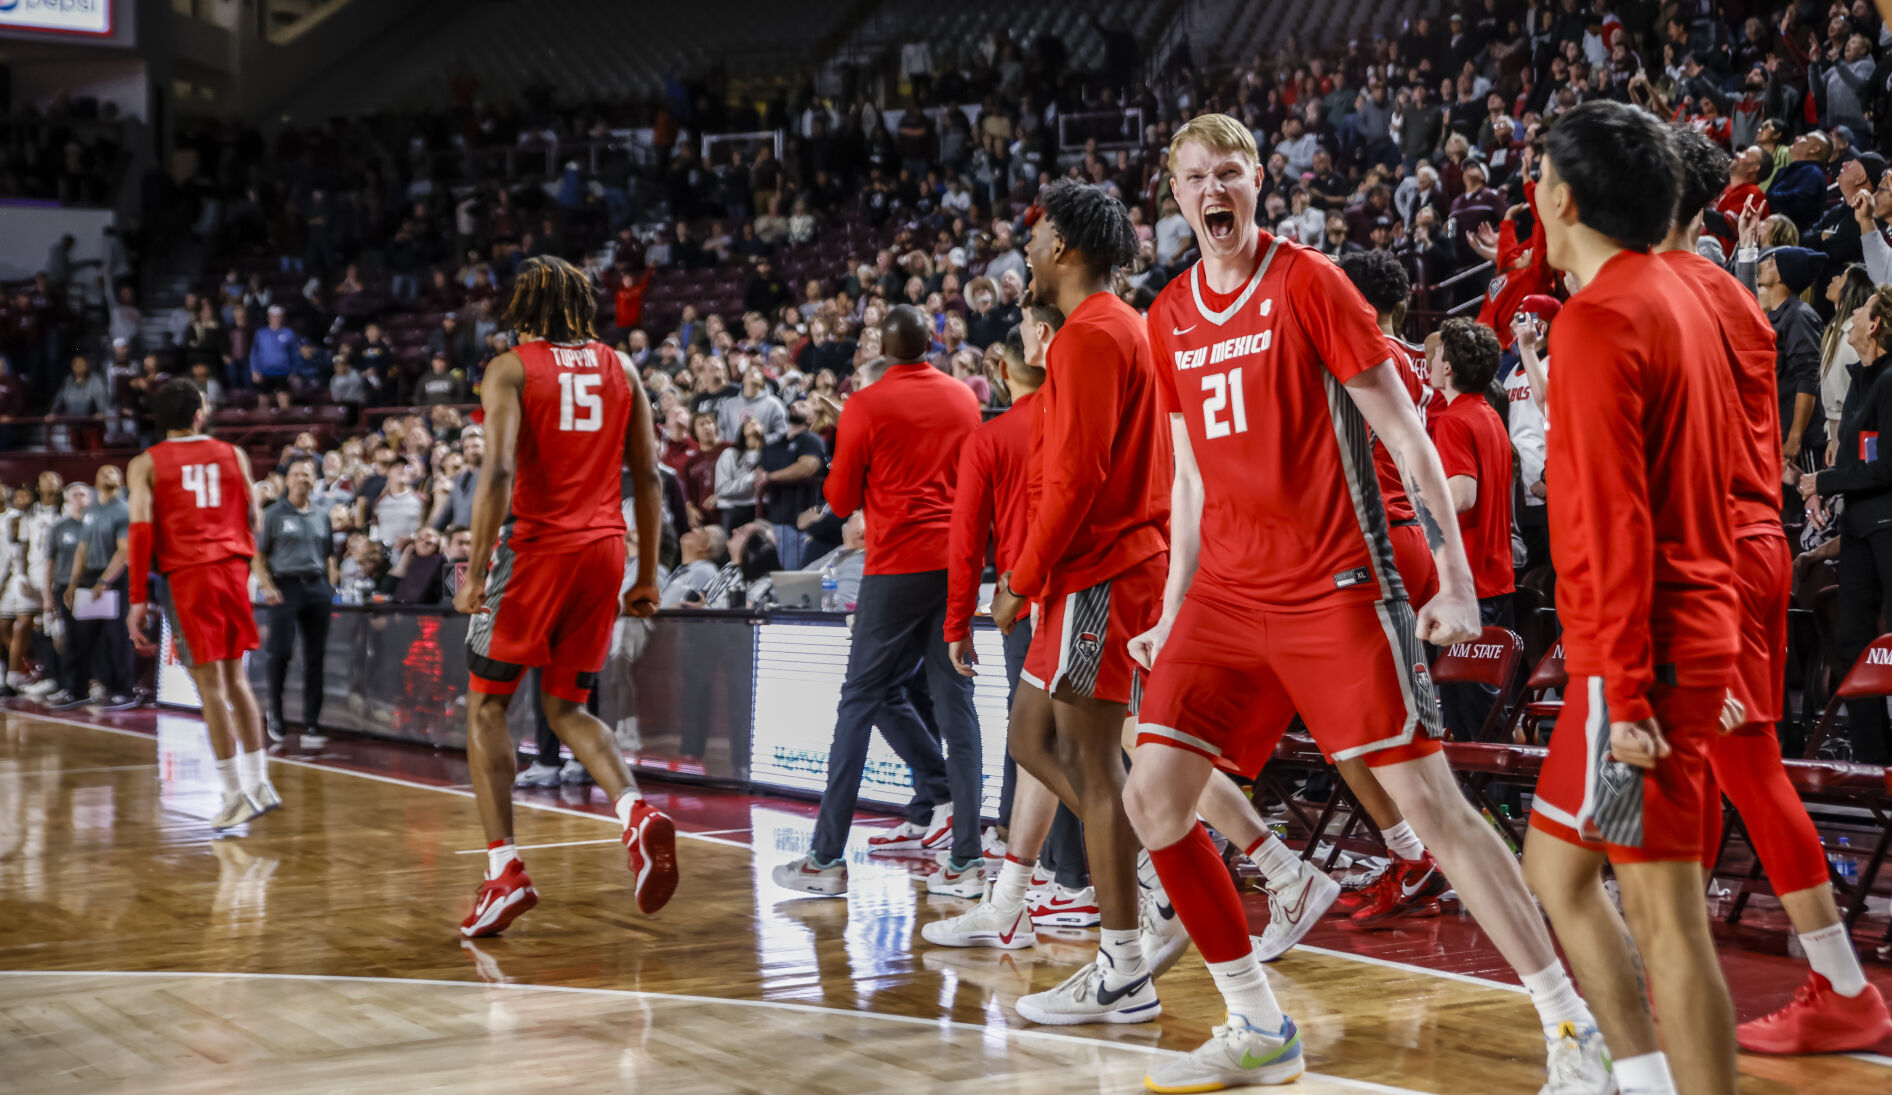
(1748, 343)
(1509, 288)
(896, 452)
(988, 504)
(1101, 454)
(1639, 441)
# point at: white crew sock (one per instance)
(1121, 955)
(1013, 881)
(1556, 998)
(227, 772)
(252, 769)
(1830, 953)
(1244, 988)
(1403, 842)
(1644, 1075)
(626, 803)
(498, 854)
(1277, 861)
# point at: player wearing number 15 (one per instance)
(191, 506)
(564, 416)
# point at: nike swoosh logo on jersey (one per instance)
(1413, 890)
(1183, 330)
(1108, 996)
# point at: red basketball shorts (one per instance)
(550, 611)
(212, 617)
(1587, 797)
(1413, 559)
(1763, 578)
(1082, 639)
(1230, 680)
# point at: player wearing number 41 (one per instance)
(563, 415)
(192, 507)
(1283, 597)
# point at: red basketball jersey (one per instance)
(200, 512)
(1291, 511)
(1410, 361)
(568, 483)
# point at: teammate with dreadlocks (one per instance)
(1094, 558)
(563, 415)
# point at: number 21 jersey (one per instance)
(568, 484)
(1291, 512)
(200, 512)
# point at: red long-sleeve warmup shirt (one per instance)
(1101, 453)
(896, 451)
(1639, 467)
(988, 504)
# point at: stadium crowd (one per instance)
(363, 261)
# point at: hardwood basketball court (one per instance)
(319, 953)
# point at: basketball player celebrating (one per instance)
(564, 415)
(1094, 557)
(1640, 441)
(191, 506)
(1837, 1011)
(1283, 596)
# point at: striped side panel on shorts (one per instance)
(1087, 617)
(169, 607)
(1615, 795)
(479, 631)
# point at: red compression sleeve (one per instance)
(138, 560)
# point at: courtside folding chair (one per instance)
(1870, 678)
(1534, 706)
(1491, 659)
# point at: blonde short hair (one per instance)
(1216, 132)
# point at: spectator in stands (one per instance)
(1863, 479)
(754, 402)
(766, 292)
(83, 394)
(1334, 241)
(1477, 207)
(1006, 257)
(273, 357)
(1298, 146)
(1836, 234)
(790, 474)
(441, 384)
(204, 339)
(699, 472)
(1783, 274)
(1845, 292)
(398, 509)
(1848, 83)
(452, 340)
(705, 553)
(1173, 237)
(419, 577)
(1798, 191)
(207, 385)
(736, 475)
(1329, 189)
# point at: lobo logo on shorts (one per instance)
(1088, 645)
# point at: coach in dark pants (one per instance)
(101, 647)
(62, 549)
(295, 546)
(896, 456)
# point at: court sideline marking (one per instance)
(1387, 963)
(639, 994)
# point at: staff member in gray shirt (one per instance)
(62, 547)
(294, 544)
(102, 647)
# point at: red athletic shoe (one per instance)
(1819, 1021)
(1358, 890)
(500, 901)
(1409, 891)
(651, 841)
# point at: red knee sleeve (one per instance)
(1748, 768)
(1204, 895)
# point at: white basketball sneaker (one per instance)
(237, 809)
(1578, 1063)
(1164, 937)
(1066, 908)
(804, 875)
(1236, 1055)
(1085, 997)
(986, 925)
(951, 881)
(265, 796)
(1293, 910)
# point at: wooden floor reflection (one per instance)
(318, 953)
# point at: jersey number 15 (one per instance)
(1223, 393)
(580, 407)
(203, 481)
